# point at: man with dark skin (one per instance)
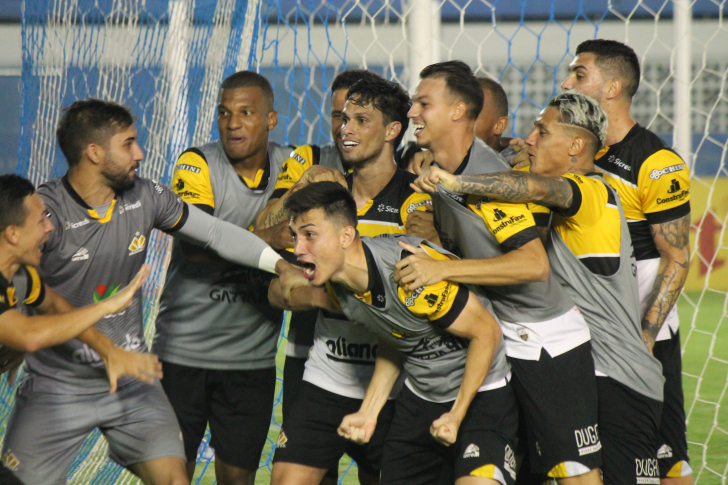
(493, 118)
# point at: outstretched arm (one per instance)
(508, 186)
(673, 243)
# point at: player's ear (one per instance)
(272, 119)
(348, 236)
(500, 125)
(95, 153)
(459, 111)
(613, 88)
(577, 145)
(11, 234)
(393, 131)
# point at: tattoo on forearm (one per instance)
(274, 219)
(520, 187)
(672, 241)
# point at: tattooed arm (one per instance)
(672, 241)
(508, 186)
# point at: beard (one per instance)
(118, 179)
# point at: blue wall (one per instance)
(9, 122)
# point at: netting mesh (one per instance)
(165, 59)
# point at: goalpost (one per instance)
(165, 59)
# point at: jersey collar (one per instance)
(77, 198)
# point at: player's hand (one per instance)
(290, 277)
(420, 162)
(421, 224)
(10, 360)
(417, 270)
(428, 180)
(521, 160)
(648, 340)
(445, 429)
(143, 366)
(318, 173)
(123, 299)
(358, 427)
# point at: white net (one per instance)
(166, 59)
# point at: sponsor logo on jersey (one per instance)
(656, 174)
(472, 451)
(76, 225)
(481, 201)
(130, 207)
(381, 298)
(674, 186)
(509, 463)
(587, 440)
(158, 187)
(508, 222)
(137, 244)
(413, 207)
(499, 214)
(431, 299)
(429, 348)
(10, 461)
(410, 300)
(341, 348)
(618, 162)
(664, 452)
(282, 440)
(228, 296)
(387, 208)
(80, 255)
(180, 185)
(86, 355)
(103, 292)
(298, 158)
(189, 168)
(188, 194)
(647, 471)
(675, 197)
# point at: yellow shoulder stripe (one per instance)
(36, 285)
(191, 180)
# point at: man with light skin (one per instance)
(24, 228)
(653, 183)
(456, 412)
(104, 214)
(590, 254)
(547, 340)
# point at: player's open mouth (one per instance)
(350, 144)
(309, 271)
(418, 128)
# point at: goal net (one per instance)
(165, 60)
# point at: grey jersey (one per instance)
(464, 232)
(609, 302)
(433, 358)
(89, 257)
(217, 315)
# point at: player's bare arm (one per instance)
(359, 427)
(507, 186)
(673, 243)
(476, 324)
(294, 296)
(525, 264)
(63, 322)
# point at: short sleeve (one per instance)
(300, 160)
(415, 202)
(191, 179)
(35, 292)
(441, 302)
(589, 200)
(664, 187)
(511, 224)
(170, 211)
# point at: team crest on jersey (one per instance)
(137, 244)
(10, 461)
(522, 333)
(472, 451)
(282, 440)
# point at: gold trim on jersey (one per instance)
(36, 286)
(107, 216)
(253, 184)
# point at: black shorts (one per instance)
(292, 379)
(310, 435)
(7, 477)
(672, 443)
(236, 403)
(627, 428)
(485, 444)
(558, 400)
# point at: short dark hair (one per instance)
(616, 58)
(500, 100)
(90, 121)
(334, 199)
(13, 191)
(460, 81)
(387, 97)
(249, 79)
(346, 79)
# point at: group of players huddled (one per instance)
(465, 308)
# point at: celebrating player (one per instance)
(341, 362)
(654, 186)
(456, 416)
(104, 214)
(547, 340)
(591, 255)
(493, 118)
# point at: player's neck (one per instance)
(9, 265)
(91, 187)
(354, 275)
(620, 122)
(370, 178)
(449, 151)
(248, 167)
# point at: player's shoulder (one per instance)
(279, 153)
(643, 146)
(51, 191)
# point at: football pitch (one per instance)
(704, 336)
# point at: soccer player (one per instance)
(547, 339)
(654, 186)
(341, 362)
(590, 253)
(456, 416)
(493, 118)
(104, 215)
(215, 338)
